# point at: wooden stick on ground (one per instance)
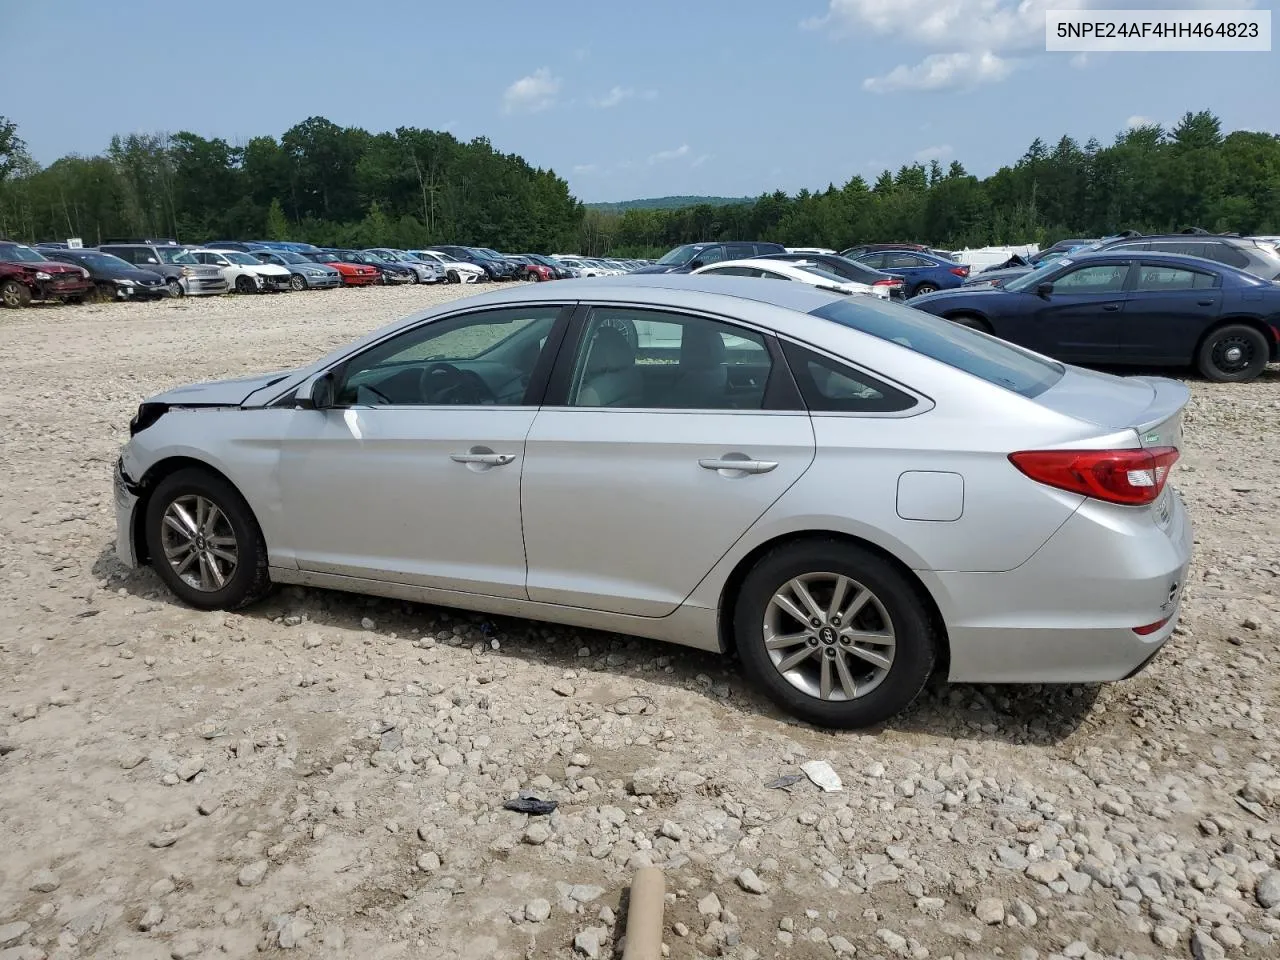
(644, 916)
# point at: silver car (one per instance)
(844, 492)
(424, 271)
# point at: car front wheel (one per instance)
(298, 282)
(174, 286)
(1233, 354)
(204, 542)
(14, 294)
(833, 634)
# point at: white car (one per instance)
(809, 250)
(584, 268)
(800, 270)
(245, 272)
(455, 270)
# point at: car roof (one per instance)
(1152, 256)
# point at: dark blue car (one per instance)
(1119, 307)
(920, 272)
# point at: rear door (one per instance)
(648, 462)
(1168, 309)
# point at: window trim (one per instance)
(923, 404)
(855, 371)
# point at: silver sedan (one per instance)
(844, 492)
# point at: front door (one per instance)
(1079, 321)
(413, 476)
(658, 454)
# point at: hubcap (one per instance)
(11, 295)
(199, 543)
(1233, 354)
(829, 636)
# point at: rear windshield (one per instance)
(992, 360)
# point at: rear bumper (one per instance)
(1068, 614)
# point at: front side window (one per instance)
(904, 261)
(737, 272)
(474, 359)
(874, 260)
(1105, 278)
(712, 254)
(829, 386)
(1153, 278)
(667, 361)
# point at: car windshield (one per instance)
(104, 261)
(680, 255)
(17, 252)
(174, 255)
(1028, 281)
(288, 256)
(445, 257)
(374, 257)
(984, 357)
(236, 256)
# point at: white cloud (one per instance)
(530, 94)
(585, 168)
(940, 152)
(942, 71)
(614, 97)
(703, 158)
(662, 156)
(1138, 120)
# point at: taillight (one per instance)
(960, 271)
(1131, 477)
(886, 283)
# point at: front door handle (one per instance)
(488, 458)
(1111, 307)
(1206, 303)
(738, 464)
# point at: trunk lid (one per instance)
(1150, 406)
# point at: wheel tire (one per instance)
(972, 322)
(76, 300)
(244, 284)
(1213, 359)
(923, 288)
(249, 581)
(14, 294)
(915, 640)
(298, 282)
(175, 288)
(452, 277)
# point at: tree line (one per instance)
(342, 186)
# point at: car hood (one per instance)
(1004, 273)
(267, 269)
(137, 276)
(218, 393)
(958, 295)
(51, 266)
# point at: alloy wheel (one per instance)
(829, 636)
(199, 543)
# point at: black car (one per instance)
(495, 268)
(848, 269)
(1130, 307)
(390, 272)
(690, 256)
(1260, 259)
(113, 278)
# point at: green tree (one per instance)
(277, 223)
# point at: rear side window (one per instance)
(1226, 253)
(1184, 247)
(987, 358)
(740, 251)
(901, 261)
(829, 386)
(1154, 278)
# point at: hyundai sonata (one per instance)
(844, 492)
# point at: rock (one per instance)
(709, 906)
(166, 839)
(1043, 871)
(1267, 890)
(130, 760)
(252, 874)
(367, 624)
(429, 862)
(537, 833)
(894, 941)
(11, 933)
(749, 882)
(208, 806)
(153, 917)
(585, 892)
(535, 911)
(989, 910)
(671, 830)
(45, 881)
(1166, 937)
(1204, 947)
(185, 947)
(188, 768)
(646, 782)
(449, 758)
(563, 687)
(588, 942)
(843, 947)
(293, 934)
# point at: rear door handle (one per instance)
(489, 459)
(1111, 307)
(740, 465)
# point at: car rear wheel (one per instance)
(1233, 354)
(298, 282)
(833, 634)
(205, 543)
(174, 287)
(972, 322)
(14, 294)
(923, 288)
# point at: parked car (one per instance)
(27, 274)
(920, 272)
(854, 253)
(388, 272)
(494, 269)
(455, 270)
(691, 256)
(353, 274)
(295, 246)
(803, 272)
(183, 274)
(848, 269)
(580, 266)
(113, 278)
(495, 256)
(904, 492)
(530, 269)
(1260, 259)
(559, 271)
(304, 274)
(423, 272)
(244, 246)
(1125, 307)
(245, 272)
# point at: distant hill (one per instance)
(667, 203)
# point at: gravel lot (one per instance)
(325, 773)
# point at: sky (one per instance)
(622, 100)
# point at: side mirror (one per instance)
(696, 263)
(1044, 290)
(322, 392)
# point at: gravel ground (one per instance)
(325, 773)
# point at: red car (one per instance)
(353, 274)
(26, 275)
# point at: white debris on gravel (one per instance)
(337, 789)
